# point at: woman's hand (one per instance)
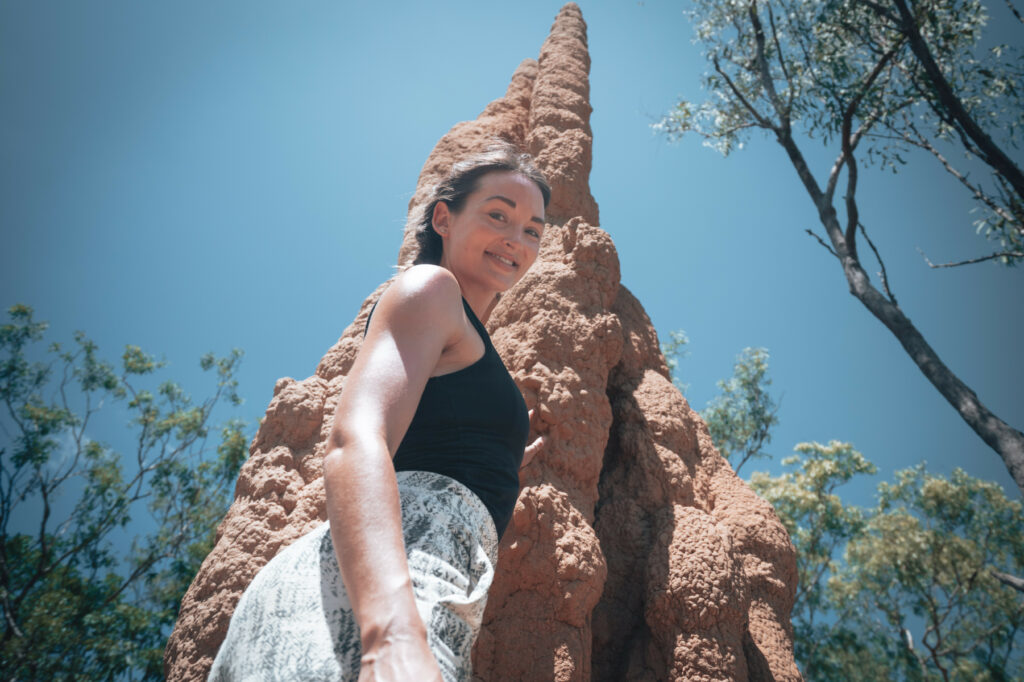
(533, 448)
(398, 658)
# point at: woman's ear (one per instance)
(441, 218)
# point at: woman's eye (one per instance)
(497, 215)
(534, 233)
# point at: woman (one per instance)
(394, 585)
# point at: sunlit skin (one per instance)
(418, 330)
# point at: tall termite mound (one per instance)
(635, 552)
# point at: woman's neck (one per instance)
(481, 302)
(480, 299)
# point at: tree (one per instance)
(878, 78)
(71, 607)
(741, 417)
(932, 548)
(925, 559)
(938, 557)
(826, 640)
(674, 351)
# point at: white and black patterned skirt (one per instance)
(294, 621)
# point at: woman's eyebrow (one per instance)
(511, 203)
(505, 199)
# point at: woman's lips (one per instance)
(504, 260)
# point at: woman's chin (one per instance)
(508, 284)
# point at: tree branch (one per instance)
(971, 261)
(782, 59)
(852, 212)
(924, 143)
(989, 151)
(761, 121)
(822, 242)
(43, 545)
(882, 274)
(767, 82)
(140, 568)
(1000, 436)
(1015, 12)
(850, 141)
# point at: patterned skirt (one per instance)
(294, 621)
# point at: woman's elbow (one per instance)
(339, 443)
(336, 440)
(345, 444)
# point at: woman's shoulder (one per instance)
(426, 279)
(425, 285)
(422, 294)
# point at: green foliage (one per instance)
(817, 521)
(925, 558)
(674, 351)
(72, 608)
(931, 549)
(936, 556)
(740, 419)
(850, 71)
(827, 643)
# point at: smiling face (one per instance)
(493, 239)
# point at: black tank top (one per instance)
(471, 425)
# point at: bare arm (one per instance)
(416, 319)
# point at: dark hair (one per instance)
(461, 182)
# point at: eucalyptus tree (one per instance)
(872, 80)
(923, 586)
(916, 588)
(740, 419)
(941, 552)
(75, 606)
(828, 640)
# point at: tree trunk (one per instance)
(991, 153)
(1000, 436)
(1007, 441)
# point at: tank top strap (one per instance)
(477, 324)
(368, 317)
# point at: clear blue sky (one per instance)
(195, 176)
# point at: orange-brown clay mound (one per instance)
(635, 552)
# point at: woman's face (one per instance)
(492, 241)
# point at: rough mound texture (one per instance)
(635, 553)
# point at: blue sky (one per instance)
(197, 176)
